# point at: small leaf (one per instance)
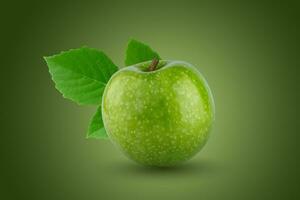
(138, 52)
(81, 74)
(96, 127)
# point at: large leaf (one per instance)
(81, 74)
(138, 52)
(96, 127)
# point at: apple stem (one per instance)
(153, 64)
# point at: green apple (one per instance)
(158, 113)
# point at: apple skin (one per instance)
(158, 118)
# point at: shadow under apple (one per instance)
(193, 167)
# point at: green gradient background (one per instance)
(247, 52)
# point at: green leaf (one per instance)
(96, 127)
(81, 74)
(138, 52)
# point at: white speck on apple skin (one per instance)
(159, 118)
